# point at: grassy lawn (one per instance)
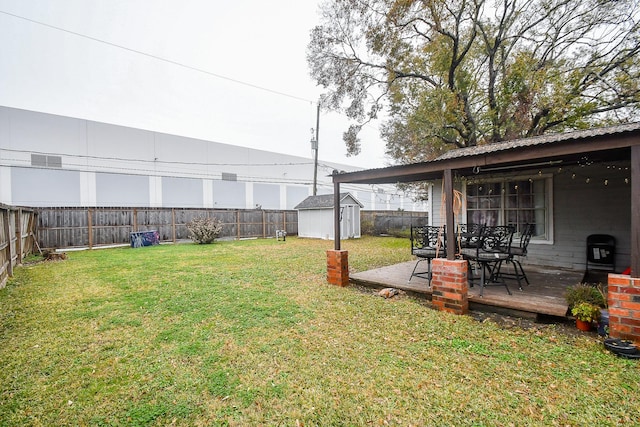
(249, 333)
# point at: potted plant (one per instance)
(585, 313)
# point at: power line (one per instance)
(159, 58)
(170, 162)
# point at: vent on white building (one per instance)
(229, 176)
(40, 160)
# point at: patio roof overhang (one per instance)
(615, 143)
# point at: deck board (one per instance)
(544, 295)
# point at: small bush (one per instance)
(584, 293)
(204, 230)
(367, 228)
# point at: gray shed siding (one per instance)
(316, 217)
(316, 223)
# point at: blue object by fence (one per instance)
(144, 238)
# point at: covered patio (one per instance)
(558, 162)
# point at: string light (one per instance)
(585, 162)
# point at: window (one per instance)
(512, 201)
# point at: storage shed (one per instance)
(315, 217)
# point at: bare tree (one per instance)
(457, 73)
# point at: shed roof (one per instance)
(324, 201)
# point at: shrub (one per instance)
(367, 228)
(586, 312)
(204, 230)
(584, 293)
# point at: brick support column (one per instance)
(449, 285)
(338, 267)
(624, 307)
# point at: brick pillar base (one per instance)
(624, 307)
(449, 285)
(338, 267)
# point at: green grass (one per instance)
(250, 333)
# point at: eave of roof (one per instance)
(609, 142)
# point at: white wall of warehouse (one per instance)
(98, 164)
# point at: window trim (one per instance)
(548, 179)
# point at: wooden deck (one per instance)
(544, 296)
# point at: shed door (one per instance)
(348, 223)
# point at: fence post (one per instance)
(90, 226)
(5, 224)
(135, 220)
(19, 235)
(264, 225)
(32, 229)
(238, 224)
(173, 224)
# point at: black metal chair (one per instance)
(517, 252)
(467, 235)
(492, 250)
(427, 243)
(601, 257)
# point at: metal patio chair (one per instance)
(517, 252)
(492, 250)
(427, 243)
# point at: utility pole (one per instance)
(314, 146)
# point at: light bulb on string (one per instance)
(587, 180)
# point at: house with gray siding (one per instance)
(568, 185)
(566, 203)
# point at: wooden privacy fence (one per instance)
(390, 222)
(91, 227)
(17, 238)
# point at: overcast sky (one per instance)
(92, 66)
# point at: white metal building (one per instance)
(50, 160)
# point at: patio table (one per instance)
(492, 250)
